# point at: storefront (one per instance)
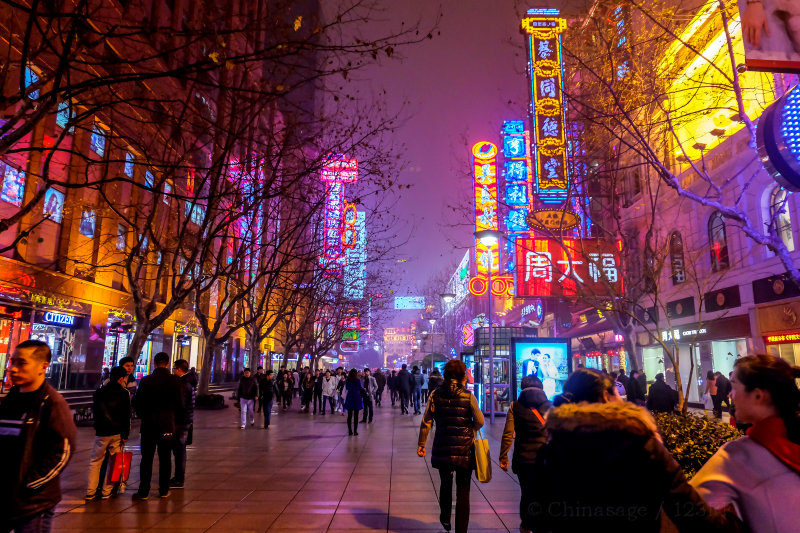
(58, 330)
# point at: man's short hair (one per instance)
(161, 359)
(116, 373)
(246, 370)
(455, 370)
(532, 381)
(260, 368)
(182, 365)
(126, 359)
(404, 367)
(39, 349)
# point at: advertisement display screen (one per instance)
(409, 302)
(547, 359)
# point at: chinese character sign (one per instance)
(518, 173)
(547, 267)
(544, 31)
(484, 163)
(338, 229)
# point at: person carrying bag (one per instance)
(483, 459)
(455, 449)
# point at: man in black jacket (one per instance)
(184, 419)
(247, 394)
(662, 398)
(158, 401)
(37, 436)
(380, 378)
(112, 424)
(403, 385)
(267, 391)
(260, 379)
(723, 392)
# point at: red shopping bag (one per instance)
(119, 466)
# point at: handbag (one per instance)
(119, 466)
(483, 461)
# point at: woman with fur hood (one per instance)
(760, 474)
(592, 436)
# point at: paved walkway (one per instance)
(302, 474)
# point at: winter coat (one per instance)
(403, 382)
(370, 386)
(267, 389)
(723, 386)
(391, 382)
(329, 386)
(435, 381)
(575, 492)
(417, 381)
(662, 398)
(636, 393)
(625, 380)
(380, 377)
(761, 480)
(527, 425)
(158, 400)
(353, 401)
(248, 388)
(111, 407)
(186, 416)
(318, 384)
(456, 414)
(37, 439)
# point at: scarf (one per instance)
(771, 434)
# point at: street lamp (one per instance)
(490, 238)
(447, 297)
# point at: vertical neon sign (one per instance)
(338, 233)
(546, 74)
(484, 164)
(518, 185)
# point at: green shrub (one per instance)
(693, 439)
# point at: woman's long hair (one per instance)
(353, 375)
(585, 385)
(775, 375)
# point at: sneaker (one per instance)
(253, 423)
(89, 497)
(141, 497)
(163, 494)
(242, 427)
(175, 484)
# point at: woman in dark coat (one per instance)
(352, 401)
(590, 433)
(457, 415)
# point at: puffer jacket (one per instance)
(451, 409)
(528, 425)
(329, 386)
(575, 492)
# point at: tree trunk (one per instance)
(137, 342)
(205, 368)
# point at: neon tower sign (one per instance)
(338, 231)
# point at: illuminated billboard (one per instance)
(355, 271)
(484, 163)
(518, 185)
(547, 359)
(459, 283)
(409, 302)
(772, 35)
(339, 218)
(544, 28)
(548, 267)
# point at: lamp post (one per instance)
(490, 238)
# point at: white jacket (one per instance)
(329, 386)
(764, 490)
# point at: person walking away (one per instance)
(37, 438)
(296, 383)
(247, 394)
(525, 427)
(424, 386)
(457, 416)
(370, 385)
(662, 397)
(184, 420)
(635, 392)
(759, 474)
(435, 380)
(625, 380)
(380, 379)
(111, 407)
(260, 379)
(268, 392)
(391, 382)
(723, 391)
(589, 414)
(329, 391)
(158, 401)
(308, 391)
(403, 385)
(352, 401)
(711, 390)
(317, 390)
(417, 381)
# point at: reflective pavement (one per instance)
(304, 473)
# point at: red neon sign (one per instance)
(501, 285)
(788, 337)
(484, 165)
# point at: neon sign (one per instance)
(501, 285)
(518, 172)
(355, 271)
(338, 231)
(58, 318)
(484, 163)
(546, 73)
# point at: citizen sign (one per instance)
(58, 318)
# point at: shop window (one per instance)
(718, 242)
(130, 160)
(87, 223)
(97, 142)
(780, 219)
(13, 185)
(31, 78)
(676, 261)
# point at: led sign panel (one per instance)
(409, 302)
(484, 163)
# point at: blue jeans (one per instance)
(416, 400)
(267, 412)
(39, 523)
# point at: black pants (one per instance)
(393, 396)
(287, 399)
(352, 421)
(716, 400)
(378, 397)
(179, 451)
(367, 411)
(317, 400)
(527, 486)
(405, 400)
(149, 444)
(331, 402)
(462, 496)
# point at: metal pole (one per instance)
(491, 341)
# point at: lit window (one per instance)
(718, 241)
(98, 141)
(780, 219)
(676, 258)
(87, 223)
(149, 179)
(64, 114)
(31, 77)
(129, 162)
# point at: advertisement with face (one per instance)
(547, 359)
(771, 34)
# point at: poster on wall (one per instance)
(87, 223)
(54, 205)
(547, 359)
(771, 35)
(13, 185)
